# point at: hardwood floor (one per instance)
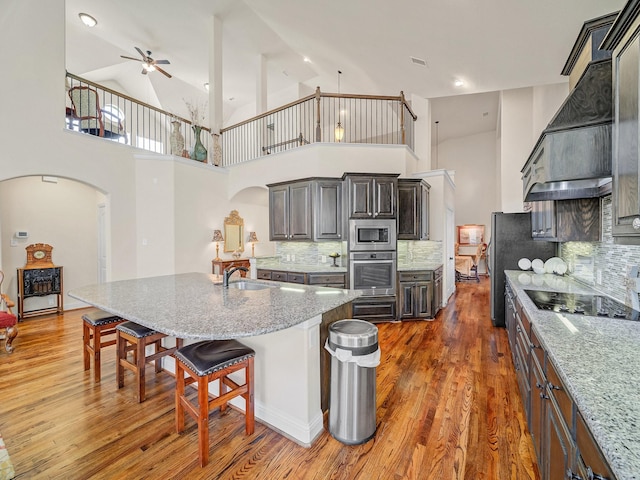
(448, 408)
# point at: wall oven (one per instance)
(367, 235)
(373, 272)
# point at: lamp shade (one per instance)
(339, 132)
(253, 237)
(217, 236)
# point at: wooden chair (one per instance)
(98, 332)
(93, 119)
(8, 320)
(132, 337)
(206, 362)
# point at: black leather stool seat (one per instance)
(210, 356)
(100, 317)
(135, 329)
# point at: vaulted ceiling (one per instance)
(489, 45)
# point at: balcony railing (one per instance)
(100, 111)
(315, 118)
(321, 117)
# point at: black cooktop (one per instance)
(583, 304)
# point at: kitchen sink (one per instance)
(249, 286)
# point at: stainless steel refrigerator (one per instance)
(510, 241)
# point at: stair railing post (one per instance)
(404, 141)
(318, 129)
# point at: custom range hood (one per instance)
(572, 158)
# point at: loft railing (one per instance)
(364, 118)
(100, 111)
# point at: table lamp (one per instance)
(253, 238)
(217, 237)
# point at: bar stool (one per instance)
(97, 324)
(206, 362)
(133, 337)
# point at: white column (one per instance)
(215, 75)
(261, 84)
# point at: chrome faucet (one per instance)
(227, 272)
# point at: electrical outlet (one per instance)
(293, 258)
(599, 277)
(288, 257)
(323, 258)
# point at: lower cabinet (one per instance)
(563, 444)
(336, 280)
(375, 309)
(419, 294)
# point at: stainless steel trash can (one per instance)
(353, 345)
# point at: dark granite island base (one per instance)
(284, 323)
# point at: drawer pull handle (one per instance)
(554, 387)
(543, 396)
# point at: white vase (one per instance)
(177, 139)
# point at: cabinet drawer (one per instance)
(589, 452)
(415, 276)
(296, 277)
(325, 279)
(264, 274)
(375, 309)
(559, 392)
(278, 276)
(536, 349)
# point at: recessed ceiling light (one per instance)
(88, 20)
(458, 83)
(418, 61)
(206, 86)
(231, 99)
(307, 59)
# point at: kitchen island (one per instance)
(282, 322)
(597, 359)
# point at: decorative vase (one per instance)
(199, 152)
(177, 139)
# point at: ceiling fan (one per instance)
(148, 63)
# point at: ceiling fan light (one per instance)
(148, 67)
(88, 20)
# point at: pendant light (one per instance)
(339, 130)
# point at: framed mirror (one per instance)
(233, 232)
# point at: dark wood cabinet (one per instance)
(624, 40)
(564, 446)
(40, 282)
(333, 279)
(371, 196)
(566, 220)
(415, 294)
(413, 209)
(290, 211)
(327, 209)
(308, 209)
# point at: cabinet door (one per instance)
(538, 394)
(327, 210)
(279, 213)
(626, 204)
(424, 211)
(559, 445)
(360, 197)
(385, 197)
(424, 296)
(437, 296)
(300, 211)
(409, 204)
(406, 300)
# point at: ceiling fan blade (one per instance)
(162, 71)
(161, 62)
(130, 58)
(144, 57)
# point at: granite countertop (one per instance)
(311, 268)
(197, 306)
(598, 360)
(408, 267)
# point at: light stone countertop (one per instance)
(302, 268)
(598, 360)
(197, 306)
(408, 267)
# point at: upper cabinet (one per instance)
(309, 209)
(290, 211)
(371, 196)
(624, 39)
(413, 209)
(566, 220)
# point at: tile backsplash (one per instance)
(604, 265)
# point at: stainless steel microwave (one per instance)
(372, 235)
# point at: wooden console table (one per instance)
(223, 264)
